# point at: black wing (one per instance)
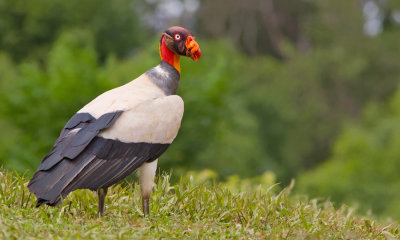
(81, 159)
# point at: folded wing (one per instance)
(93, 153)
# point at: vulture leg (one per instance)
(146, 174)
(145, 203)
(101, 193)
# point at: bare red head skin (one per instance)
(176, 42)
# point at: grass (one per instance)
(185, 210)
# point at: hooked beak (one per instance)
(192, 48)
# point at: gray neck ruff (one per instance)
(165, 77)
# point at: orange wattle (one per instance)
(192, 48)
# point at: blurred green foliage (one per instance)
(29, 28)
(35, 102)
(363, 169)
(245, 115)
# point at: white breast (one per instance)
(153, 121)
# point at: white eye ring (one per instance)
(177, 37)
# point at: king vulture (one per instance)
(122, 130)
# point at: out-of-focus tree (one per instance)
(28, 28)
(302, 103)
(363, 169)
(257, 26)
(35, 102)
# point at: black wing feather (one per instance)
(76, 135)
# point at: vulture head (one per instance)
(181, 42)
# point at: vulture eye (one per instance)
(177, 37)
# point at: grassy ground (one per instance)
(185, 210)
